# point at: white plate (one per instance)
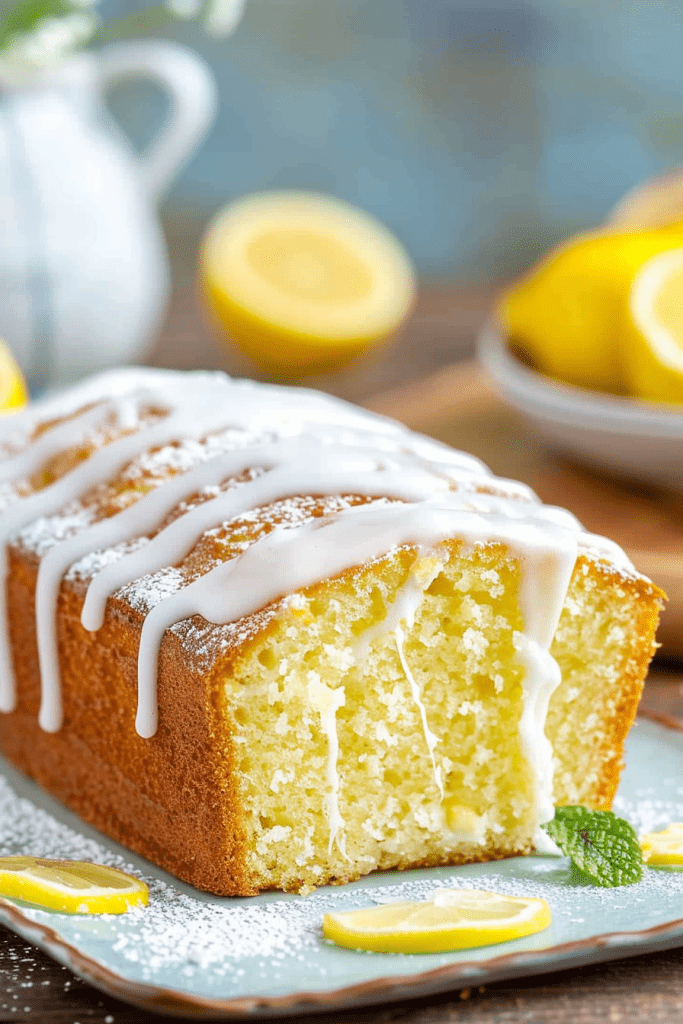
(641, 441)
(207, 957)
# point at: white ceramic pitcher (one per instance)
(84, 273)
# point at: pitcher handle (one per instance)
(192, 91)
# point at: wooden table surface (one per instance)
(644, 988)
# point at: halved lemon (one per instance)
(72, 886)
(13, 393)
(451, 919)
(303, 282)
(664, 847)
(653, 332)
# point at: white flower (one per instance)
(185, 8)
(223, 16)
(49, 41)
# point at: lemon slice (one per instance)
(13, 393)
(663, 847)
(72, 886)
(653, 332)
(304, 282)
(452, 919)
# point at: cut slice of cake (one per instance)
(269, 640)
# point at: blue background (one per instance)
(480, 132)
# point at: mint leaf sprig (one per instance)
(603, 848)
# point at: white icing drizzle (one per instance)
(327, 701)
(301, 468)
(60, 438)
(309, 444)
(404, 606)
(314, 551)
(192, 419)
(545, 579)
(430, 739)
(177, 540)
(403, 609)
(198, 414)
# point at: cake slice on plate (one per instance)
(270, 640)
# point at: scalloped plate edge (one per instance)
(600, 948)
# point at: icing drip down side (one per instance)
(293, 443)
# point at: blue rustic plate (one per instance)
(209, 957)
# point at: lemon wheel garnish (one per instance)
(664, 847)
(72, 886)
(452, 919)
(653, 333)
(303, 282)
(13, 393)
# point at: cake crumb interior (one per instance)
(329, 672)
(381, 803)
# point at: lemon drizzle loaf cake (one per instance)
(269, 640)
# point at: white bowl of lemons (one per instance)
(630, 438)
(589, 343)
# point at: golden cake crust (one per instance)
(174, 798)
(179, 796)
(171, 798)
(649, 604)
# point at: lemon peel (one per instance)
(451, 919)
(304, 282)
(70, 886)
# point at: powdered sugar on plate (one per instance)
(266, 947)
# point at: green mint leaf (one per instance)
(602, 847)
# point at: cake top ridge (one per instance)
(157, 459)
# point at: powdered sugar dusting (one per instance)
(272, 945)
(95, 497)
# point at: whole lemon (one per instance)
(567, 314)
(13, 392)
